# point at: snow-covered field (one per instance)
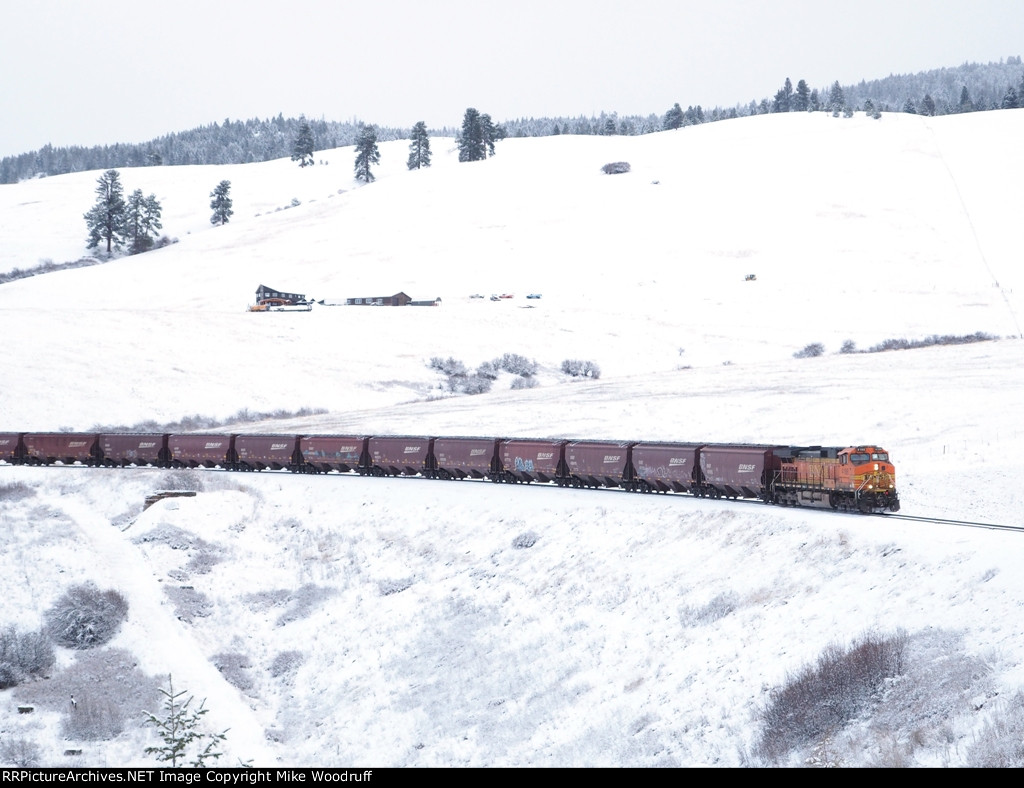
(401, 622)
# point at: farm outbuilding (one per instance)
(398, 299)
(265, 294)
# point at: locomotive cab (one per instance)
(867, 473)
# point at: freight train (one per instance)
(852, 478)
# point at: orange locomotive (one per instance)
(855, 478)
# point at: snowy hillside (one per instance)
(341, 621)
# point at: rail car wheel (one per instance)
(833, 500)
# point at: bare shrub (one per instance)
(260, 601)
(108, 690)
(934, 339)
(1000, 744)
(15, 491)
(525, 540)
(615, 167)
(197, 422)
(448, 366)
(19, 753)
(10, 676)
(822, 698)
(516, 365)
(719, 607)
(813, 350)
(95, 717)
(202, 562)
(524, 383)
(189, 604)
(472, 384)
(286, 662)
(581, 369)
(849, 346)
(23, 655)
(394, 586)
(235, 668)
(186, 480)
(488, 370)
(460, 381)
(303, 602)
(85, 616)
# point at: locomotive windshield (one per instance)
(861, 457)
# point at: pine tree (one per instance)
(966, 105)
(179, 729)
(783, 98)
(142, 220)
(419, 148)
(221, 203)
(927, 105)
(366, 153)
(105, 219)
(471, 141)
(836, 99)
(489, 133)
(674, 117)
(304, 145)
(802, 98)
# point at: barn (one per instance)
(398, 299)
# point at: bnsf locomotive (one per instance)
(856, 478)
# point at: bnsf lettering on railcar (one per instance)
(677, 461)
(545, 455)
(477, 452)
(147, 445)
(4, 441)
(612, 457)
(278, 446)
(413, 449)
(212, 445)
(746, 468)
(76, 444)
(348, 449)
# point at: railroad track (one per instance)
(944, 521)
(890, 515)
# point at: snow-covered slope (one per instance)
(400, 621)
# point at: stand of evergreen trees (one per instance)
(971, 87)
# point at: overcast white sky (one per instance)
(110, 71)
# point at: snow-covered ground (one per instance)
(401, 622)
